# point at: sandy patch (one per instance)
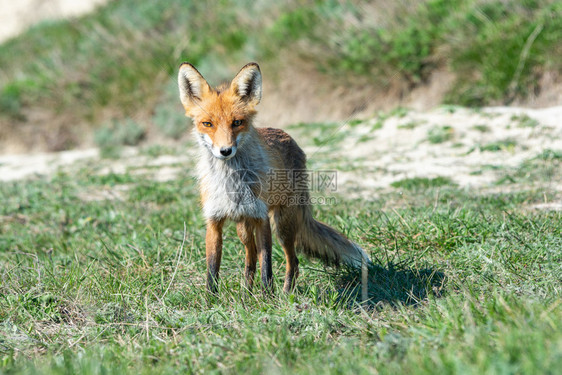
(554, 206)
(161, 168)
(16, 16)
(17, 167)
(478, 146)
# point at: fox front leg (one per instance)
(213, 251)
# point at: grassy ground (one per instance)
(104, 273)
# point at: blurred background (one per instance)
(91, 72)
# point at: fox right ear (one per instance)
(193, 87)
(247, 83)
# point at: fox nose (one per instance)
(225, 151)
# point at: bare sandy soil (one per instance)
(467, 146)
(16, 16)
(473, 148)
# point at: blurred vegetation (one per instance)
(497, 49)
(111, 137)
(120, 59)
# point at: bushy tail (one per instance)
(318, 240)
(321, 241)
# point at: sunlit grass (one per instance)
(463, 281)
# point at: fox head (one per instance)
(223, 116)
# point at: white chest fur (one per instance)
(232, 188)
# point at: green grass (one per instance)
(409, 125)
(324, 134)
(524, 121)
(463, 282)
(482, 128)
(506, 44)
(422, 183)
(440, 134)
(497, 49)
(545, 167)
(503, 145)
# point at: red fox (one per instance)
(236, 168)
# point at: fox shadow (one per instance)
(393, 284)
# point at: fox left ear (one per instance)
(193, 87)
(247, 83)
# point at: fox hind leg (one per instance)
(263, 242)
(286, 229)
(292, 268)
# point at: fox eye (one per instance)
(236, 123)
(207, 124)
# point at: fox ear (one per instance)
(247, 83)
(192, 85)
